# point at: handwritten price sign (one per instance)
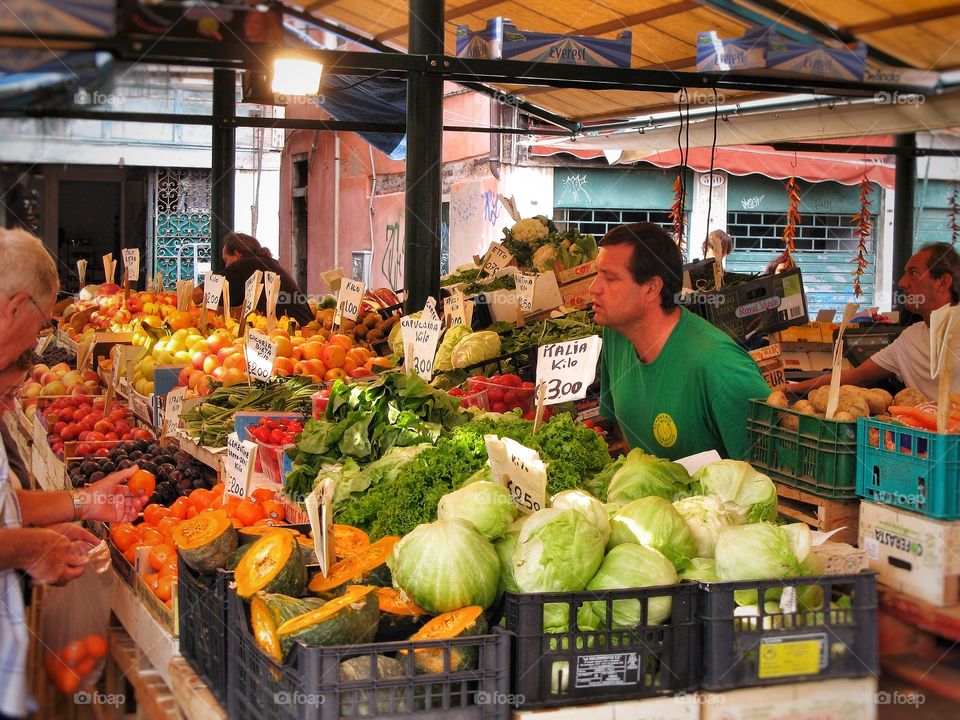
(568, 368)
(520, 470)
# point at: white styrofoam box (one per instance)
(685, 706)
(912, 553)
(826, 700)
(546, 296)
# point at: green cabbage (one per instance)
(706, 516)
(558, 551)
(505, 547)
(445, 566)
(737, 482)
(475, 348)
(441, 362)
(485, 505)
(760, 551)
(654, 522)
(395, 338)
(586, 504)
(701, 570)
(627, 566)
(642, 475)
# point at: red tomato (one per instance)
(496, 396)
(498, 407)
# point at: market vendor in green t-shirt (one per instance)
(674, 383)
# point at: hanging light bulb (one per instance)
(296, 76)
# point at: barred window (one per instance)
(817, 232)
(599, 222)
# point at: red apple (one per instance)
(197, 359)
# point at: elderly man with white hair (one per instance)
(37, 534)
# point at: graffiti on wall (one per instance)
(573, 191)
(392, 263)
(491, 206)
(752, 203)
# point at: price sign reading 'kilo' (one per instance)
(261, 353)
(568, 368)
(455, 308)
(172, 409)
(212, 290)
(348, 301)
(420, 344)
(520, 470)
(238, 466)
(526, 285)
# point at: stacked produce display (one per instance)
(447, 576)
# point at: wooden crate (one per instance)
(918, 642)
(820, 513)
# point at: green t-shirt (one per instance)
(693, 397)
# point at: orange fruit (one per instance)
(123, 535)
(312, 350)
(130, 554)
(334, 374)
(161, 555)
(179, 507)
(154, 513)
(262, 494)
(152, 537)
(73, 652)
(333, 355)
(344, 341)
(201, 498)
(67, 680)
(349, 365)
(284, 366)
(379, 362)
(96, 646)
(273, 510)
(162, 587)
(359, 355)
(85, 669)
(170, 570)
(284, 346)
(142, 483)
(236, 523)
(167, 524)
(248, 513)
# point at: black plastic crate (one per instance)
(775, 647)
(307, 685)
(202, 608)
(583, 666)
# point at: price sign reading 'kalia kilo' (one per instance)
(568, 368)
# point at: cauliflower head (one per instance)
(529, 230)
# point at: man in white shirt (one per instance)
(931, 279)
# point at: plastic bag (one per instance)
(75, 620)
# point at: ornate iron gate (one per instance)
(181, 222)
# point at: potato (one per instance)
(374, 335)
(805, 407)
(789, 422)
(778, 399)
(360, 331)
(855, 405)
(909, 396)
(844, 416)
(371, 320)
(818, 398)
(878, 400)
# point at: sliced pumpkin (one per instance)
(255, 532)
(367, 567)
(349, 619)
(465, 622)
(378, 700)
(348, 540)
(400, 617)
(268, 611)
(206, 541)
(273, 564)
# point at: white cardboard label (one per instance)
(422, 336)
(692, 463)
(497, 259)
(82, 271)
(261, 352)
(251, 292)
(520, 470)
(172, 409)
(238, 466)
(430, 310)
(526, 285)
(455, 307)
(568, 368)
(348, 301)
(212, 290)
(872, 548)
(43, 343)
(788, 600)
(131, 261)
(40, 452)
(319, 504)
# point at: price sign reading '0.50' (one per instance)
(348, 301)
(520, 470)
(568, 368)
(261, 353)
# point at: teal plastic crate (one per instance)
(913, 469)
(804, 451)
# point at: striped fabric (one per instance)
(14, 639)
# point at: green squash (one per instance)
(273, 564)
(349, 619)
(268, 611)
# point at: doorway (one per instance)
(89, 227)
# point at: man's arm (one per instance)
(109, 500)
(49, 557)
(865, 375)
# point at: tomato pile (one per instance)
(81, 418)
(276, 432)
(504, 392)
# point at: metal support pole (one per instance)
(223, 161)
(421, 231)
(905, 186)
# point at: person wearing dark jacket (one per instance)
(243, 256)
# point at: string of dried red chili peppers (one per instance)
(864, 221)
(793, 217)
(954, 217)
(676, 210)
